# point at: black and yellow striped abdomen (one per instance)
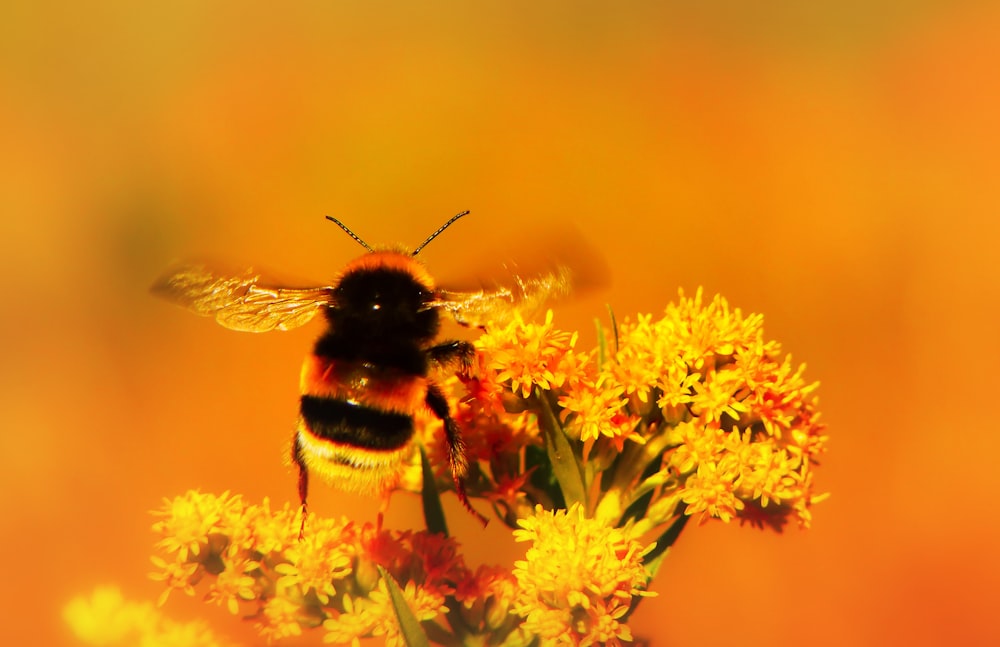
(356, 422)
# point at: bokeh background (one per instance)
(833, 165)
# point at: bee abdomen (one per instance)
(353, 424)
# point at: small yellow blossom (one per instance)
(597, 411)
(718, 395)
(281, 618)
(635, 364)
(694, 444)
(315, 562)
(375, 616)
(527, 355)
(177, 576)
(711, 491)
(107, 619)
(234, 585)
(189, 519)
(578, 577)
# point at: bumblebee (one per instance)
(371, 370)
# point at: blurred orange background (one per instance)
(832, 165)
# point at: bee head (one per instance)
(385, 294)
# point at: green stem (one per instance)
(565, 462)
(433, 511)
(635, 458)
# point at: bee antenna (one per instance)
(435, 234)
(354, 235)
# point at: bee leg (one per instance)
(303, 480)
(457, 459)
(451, 351)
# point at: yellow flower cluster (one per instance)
(107, 619)
(251, 560)
(588, 455)
(694, 412)
(575, 585)
(578, 579)
(527, 355)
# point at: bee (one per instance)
(372, 368)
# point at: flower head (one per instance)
(595, 410)
(578, 578)
(735, 423)
(328, 577)
(527, 355)
(107, 619)
(190, 518)
(587, 455)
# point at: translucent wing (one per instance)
(526, 295)
(241, 302)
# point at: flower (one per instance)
(587, 455)
(280, 617)
(710, 490)
(487, 597)
(316, 561)
(527, 355)
(578, 577)
(635, 364)
(375, 615)
(176, 575)
(188, 519)
(234, 585)
(735, 423)
(328, 578)
(597, 410)
(106, 619)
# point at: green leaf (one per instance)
(637, 509)
(602, 345)
(614, 326)
(542, 477)
(433, 511)
(654, 558)
(409, 626)
(602, 340)
(565, 463)
(536, 460)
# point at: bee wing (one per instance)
(497, 305)
(241, 302)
